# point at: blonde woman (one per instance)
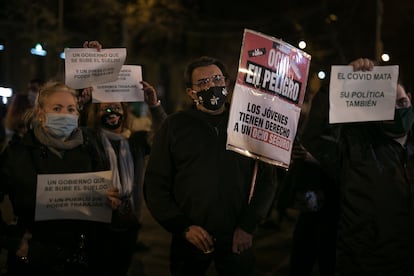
(53, 145)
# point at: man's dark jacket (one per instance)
(192, 178)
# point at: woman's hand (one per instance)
(23, 249)
(93, 44)
(85, 96)
(150, 95)
(113, 198)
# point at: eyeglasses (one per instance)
(218, 80)
(111, 109)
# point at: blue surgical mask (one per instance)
(61, 125)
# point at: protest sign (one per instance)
(362, 95)
(267, 98)
(85, 67)
(127, 88)
(79, 196)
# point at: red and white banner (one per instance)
(267, 98)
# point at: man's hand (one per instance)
(200, 238)
(241, 241)
(362, 64)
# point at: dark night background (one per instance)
(163, 35)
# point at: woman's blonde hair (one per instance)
(48, 89)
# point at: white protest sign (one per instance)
(362, 96)
(127, 88)
(265, 126)
(85, 67)
(80, 196)
(267, 99)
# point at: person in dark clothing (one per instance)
(317, 199)
(54, 145)
(316, 195)
(199, 191)
(3, 140)
(127, 151)
(33, 88)
(15, 117)
(373, 163)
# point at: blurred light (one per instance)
(385, 57)
(38, 50)
(302, 44)
(245, 71)
(62, 55)
(1, 47)
(321, 75)
(331, 18)
(6, 92)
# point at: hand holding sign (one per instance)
(92, 44)
(362, 64)
(150, 95)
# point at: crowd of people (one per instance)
(354, 183)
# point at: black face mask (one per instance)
(212, 98)
(106, 120)
(403, 121)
